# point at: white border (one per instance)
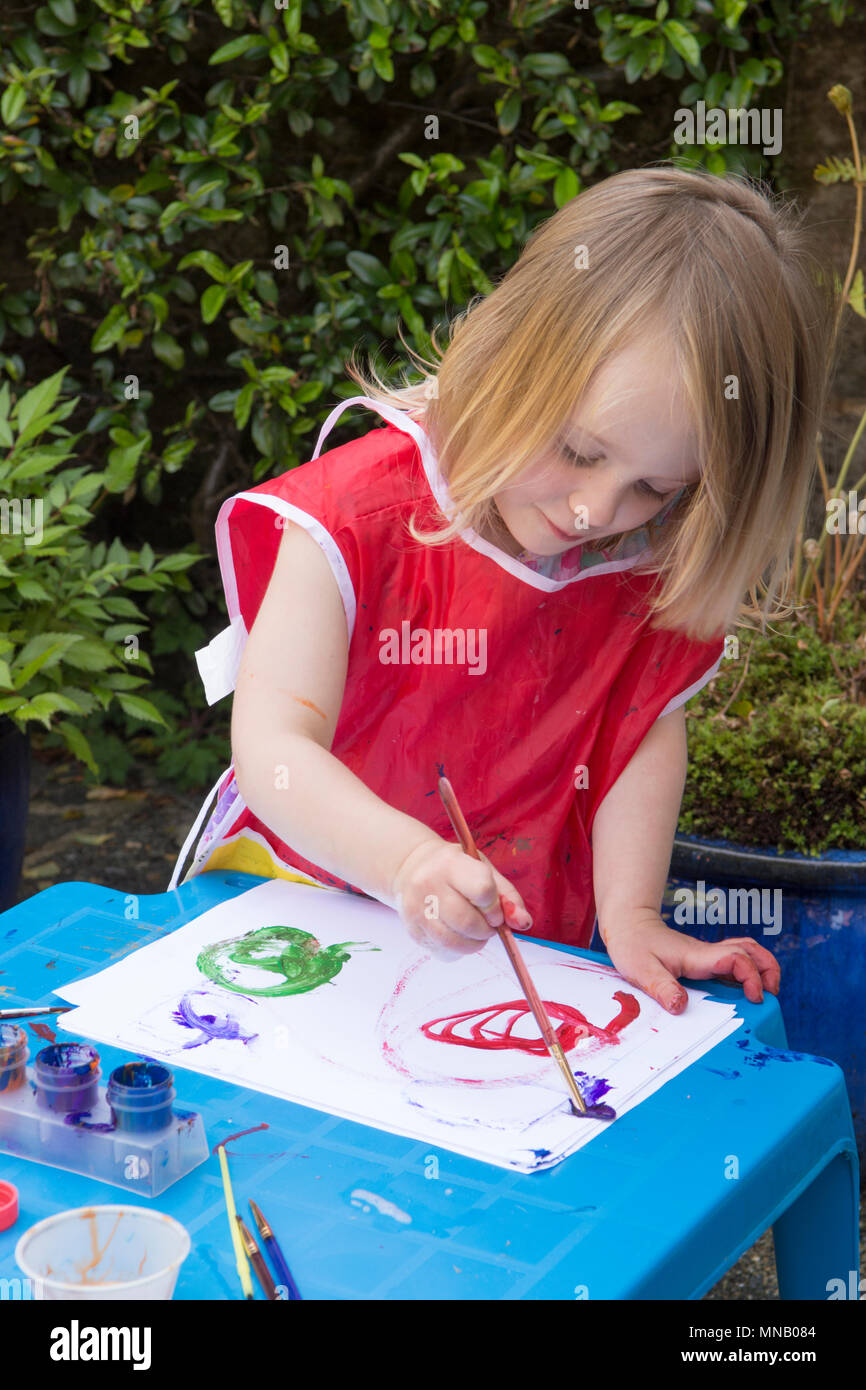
(692, 689)
(323, 539)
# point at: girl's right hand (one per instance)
(449, 902)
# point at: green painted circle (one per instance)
(286, 951)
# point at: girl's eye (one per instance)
(580, 461)
(650, 491)
(577, 459)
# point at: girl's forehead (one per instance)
(637, 399)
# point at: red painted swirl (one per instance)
(491, 1029)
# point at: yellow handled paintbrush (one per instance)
(241, 1260)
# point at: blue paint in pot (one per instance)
(140, 1095)
(67, 1077)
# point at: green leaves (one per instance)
(208, 274)
(64, 620)
(212, 301)
(111, 330)
(123, 459)
(139, 708)
(367, 268)
(245, 46)
(168, 350)
(207, 261)
(37, 403)
(684, 42)
(12, 103)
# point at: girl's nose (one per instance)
(598, 505)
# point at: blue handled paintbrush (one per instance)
(281, 1269)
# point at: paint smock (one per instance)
(531, 692)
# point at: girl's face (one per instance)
(610, 469)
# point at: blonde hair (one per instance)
(726, 272)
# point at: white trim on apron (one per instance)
(219, 661)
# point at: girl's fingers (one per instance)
(475, 882)
(646, 971)
(457, 917)
(768, 967)
(742, 968)
(516, 913)
(441, 942)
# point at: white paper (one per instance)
(355, 1045)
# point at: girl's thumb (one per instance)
(665, 990)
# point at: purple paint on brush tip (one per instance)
(592, 1088)
(209, 1026)
(594, 1112)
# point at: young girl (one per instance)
(522, 578)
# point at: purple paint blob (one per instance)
(80, 1121)
(592, 1088)
(596, 1112)
(67, 1077)
(209, 1026)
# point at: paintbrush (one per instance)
(269, 1288)
(278, 1260)
(552, 1043)
(37, 1011)
(240, 1254)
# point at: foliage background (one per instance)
(279, 205)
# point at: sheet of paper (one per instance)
(320, 997)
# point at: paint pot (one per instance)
(13, 1056)
(67, 1077)
(140, 1095)
(8, 1205)
(109, 1253)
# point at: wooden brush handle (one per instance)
(464, 835)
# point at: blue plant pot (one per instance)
(818, 936)
(14, 794)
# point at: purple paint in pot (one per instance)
(13, 1056)
(67, 1077)
(140, 1095)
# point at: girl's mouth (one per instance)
(558, 532)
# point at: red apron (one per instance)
(530, 693)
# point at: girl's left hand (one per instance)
(653, 956)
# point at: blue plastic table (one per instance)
(651, 1208)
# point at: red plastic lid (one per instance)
(8, 1205)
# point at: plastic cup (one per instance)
(13, 1056)
(140, 1095)
(67, 1077)
(110, 1253)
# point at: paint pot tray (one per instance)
(90, 1143)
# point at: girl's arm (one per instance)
(632, 838)
(287, 701)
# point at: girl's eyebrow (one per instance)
(579, 429)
